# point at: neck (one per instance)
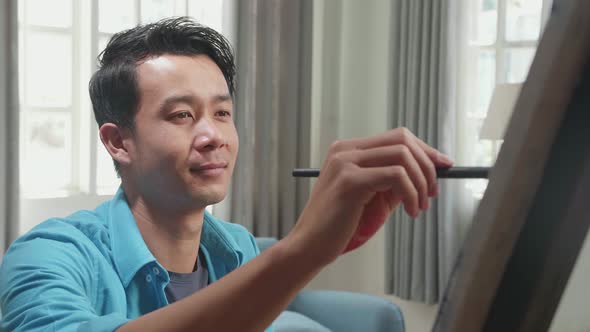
(173, 237)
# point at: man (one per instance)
(163, 99)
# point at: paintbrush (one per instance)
(441, 173)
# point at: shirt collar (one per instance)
(130, 253)
(219, 246)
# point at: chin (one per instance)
(208, 197)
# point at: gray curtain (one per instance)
(9, 193)
(420, 252)
(272, 114)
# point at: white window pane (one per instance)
(486, 79)
(107, 181)
(484, 153)
(21, 11)
(477, 187)
(116, 15)
(47, 159)
(155, 10)
(180, 7)
(48, 67)
(54, 13)
(481, 154)
(102, 43)
(518, 63)
(209, 13)
(484, 28)
(523, 19)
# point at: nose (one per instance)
(208, 136)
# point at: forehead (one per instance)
(167, 74)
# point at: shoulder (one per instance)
(53, 268)
(83, 229)
(73, 242)
(52, 251)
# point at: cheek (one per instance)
(233, 142)
(159, 151)
(236, 146)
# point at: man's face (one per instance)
(184, 143)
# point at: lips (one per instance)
(209, 168)
(211, 165)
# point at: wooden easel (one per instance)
(534, 216)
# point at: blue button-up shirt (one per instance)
(92, 271)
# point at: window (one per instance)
(64, 165)
(502, 43)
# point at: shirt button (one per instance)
(148, 278)
(156, 271)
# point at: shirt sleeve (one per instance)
(47, 284)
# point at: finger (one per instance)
(395, 136)
(395, 178)
(427, 157)
(390, 137)
(393, 199)
(426, 165)
(398, 155)
(436, 158)
(439, 158)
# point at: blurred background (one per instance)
(309, 72)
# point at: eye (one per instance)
(183, 115)
(223, 113)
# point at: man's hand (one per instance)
(362, 182)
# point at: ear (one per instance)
(116, 141)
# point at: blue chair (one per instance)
(337, 311)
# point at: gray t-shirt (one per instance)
(184, 284)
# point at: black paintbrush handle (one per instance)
(441, 173)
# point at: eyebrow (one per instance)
(222, 98)
(190, 99)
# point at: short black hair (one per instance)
(113, 87)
